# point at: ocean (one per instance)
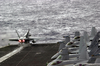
(47, 19)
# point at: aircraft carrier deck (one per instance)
(7, 49)
(37, 55)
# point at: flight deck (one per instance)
(38, 55)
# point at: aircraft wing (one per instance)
(13, 39)
(36, 38)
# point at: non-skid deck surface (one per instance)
(7, 49)
(32, 56)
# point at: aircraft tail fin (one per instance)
(77, 33)
(94, 43)
(83, 49)
(93, 32)
(81, 44)
(77, 36)
(84, 53)
(27, 34)
(64, 54)
(86, 37)
(67, 39)
(17, 34)
(63, 43)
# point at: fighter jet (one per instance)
(68, 43)
(65, 60)
(93, 33)
(72, 50)
(25, 39)
(93, 61)
(83, 56)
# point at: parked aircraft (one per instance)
(93, 61)
(65, 57)
(91, 56)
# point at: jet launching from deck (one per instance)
(25, 39)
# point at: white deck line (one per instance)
(11, 54)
